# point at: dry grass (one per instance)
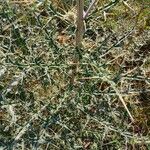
(46, 105)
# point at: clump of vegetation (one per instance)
(54, 95)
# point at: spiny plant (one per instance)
(56, 96)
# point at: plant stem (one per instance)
(80, 23)
(89, 8)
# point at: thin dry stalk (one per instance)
(89, 8)
(80, 23)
